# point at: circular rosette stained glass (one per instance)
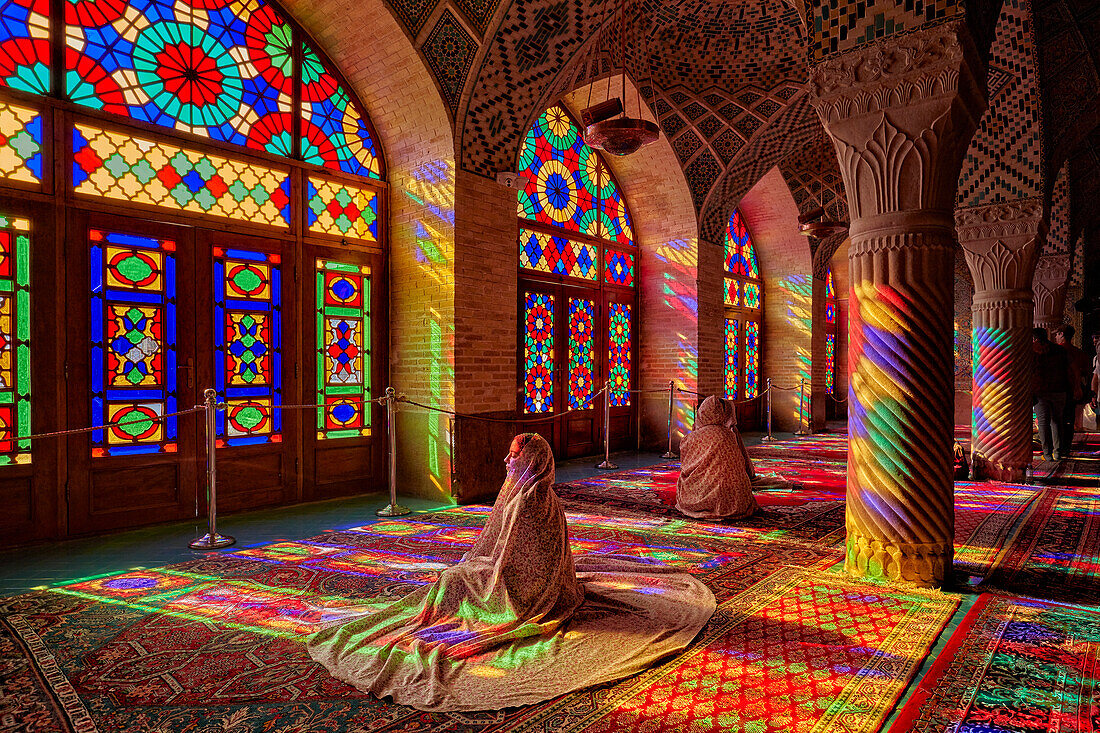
(273, 133)
(188, 75)
(93, 12)
(90, 85)
(557, 191)
(317, 146)
(589, 169)
(268, 38)
(249, 417)
(24, 64)
(343, 413)
(558, 128)
(343, 290)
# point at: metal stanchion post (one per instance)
(607, 465)
(669, 453)
(211, 540)
(769, 438)
(393, 509)
(802, 428)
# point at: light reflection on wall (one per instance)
(679, 294)
(428, 318)
(797, 292)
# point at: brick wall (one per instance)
(380, 64)
(784, 255)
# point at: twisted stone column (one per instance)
(1001, 242)
(901, 113)
(1051, 275)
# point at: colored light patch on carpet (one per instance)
(132, 584)
(1056, 552)
(830, 446)
(290, 552)
(797, 652)
(986, 520)
(1012, 666)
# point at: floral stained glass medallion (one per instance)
(133, 343)
(248, 329)
(334, 134)
(25, 45)
(343, 349)
(582, 352)
(538, 353)
(619, 363)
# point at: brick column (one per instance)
(1001, 246)
(901, 113)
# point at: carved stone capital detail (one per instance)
(1051, 271)
(997, 221)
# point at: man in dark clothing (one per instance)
(1049, 384)
(1078, 391)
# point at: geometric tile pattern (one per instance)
(841, 25)
(813, 175)
(1005, 159)
(478, 11)
(1057, 241)
(450, 52)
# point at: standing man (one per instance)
(1077, 394)
(1050, 382)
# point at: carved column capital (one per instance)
(1051, 276)
(901, 113)
(1001, 243)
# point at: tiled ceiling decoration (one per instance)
(813, 175)
(841, 25)
(449, 51)
(479, 12)
(1005, 158)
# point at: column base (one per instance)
(991, 470)
(923, 564)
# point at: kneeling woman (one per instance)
(715, 480)
(517, 621)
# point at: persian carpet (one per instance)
(987, 518)
(216, 643)
(812, 511)
(1057, 549)
(1012, 666)
(830, 446)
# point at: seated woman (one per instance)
(714, 478)
(516, 621)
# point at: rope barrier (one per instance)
(119, 423)
(452, 413)
(736, 402)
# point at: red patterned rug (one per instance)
(1012, 666)
(216, 644)
(1056, 552)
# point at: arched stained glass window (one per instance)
(220, 69)
(25, 45)
(576, 248)
(743, 295)
(566, 184)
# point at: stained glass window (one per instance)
(538, 353)
(15, 335)
(223, 70)
(20, 143)
(559, 174)
(334, 134)
(118, 166)
(557, 255)
(343, 349)
(752, 358)
(25, 45)
(830, 290)
(740, 252)
(751, 297)
(248, 332)
(133, 342)
(742, 297)
(615, 222)
(619, 268)
(582, 352)
(830, 332)
(733, 352)
(618, 356)
(341, 209)
(830, 362)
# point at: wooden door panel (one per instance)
(131, 341)
(246, 482)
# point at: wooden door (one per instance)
(247, 353)
(620, 338)
(132, 357)
(343, 360)
(30, 342)
(581, 373)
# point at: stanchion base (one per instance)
(803, 433)
(607, 466)
(769, 439)
(670, 454)
(215, 542)
(393, 510)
